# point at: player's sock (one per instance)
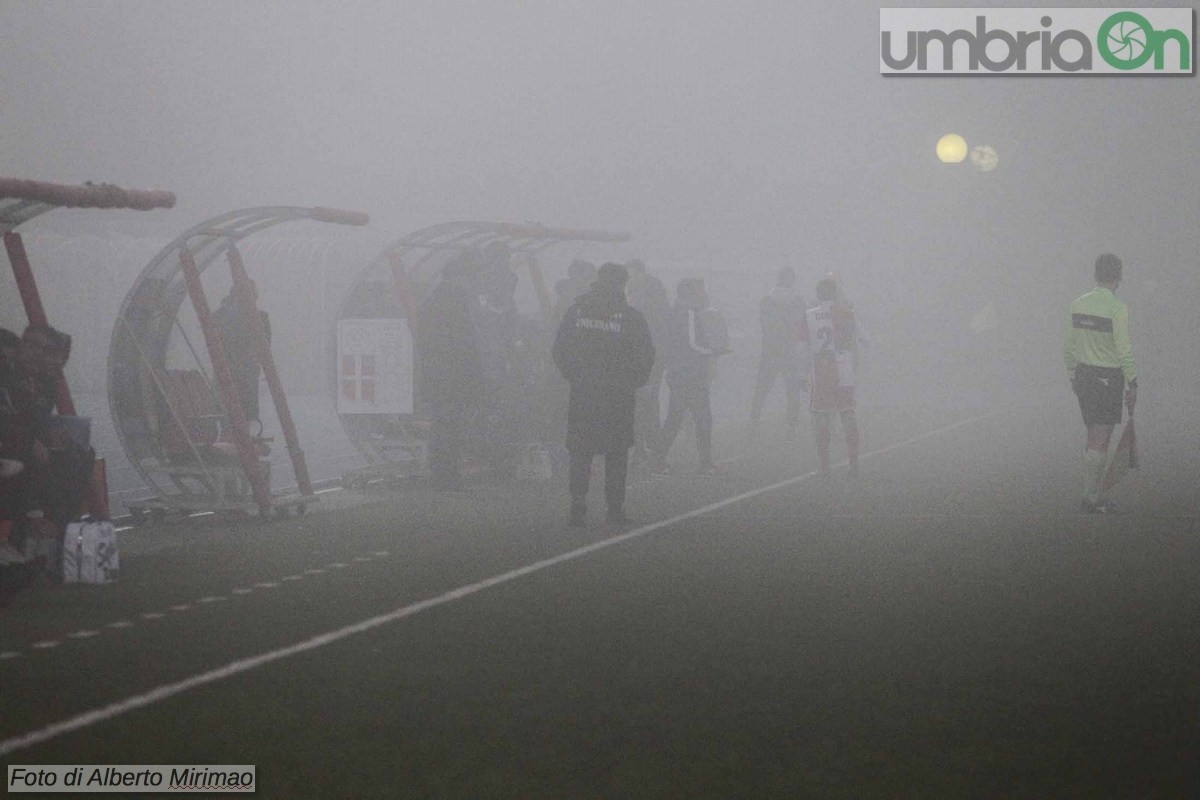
(851, 426)
(1093, 474)
(824, 437)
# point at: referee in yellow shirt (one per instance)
(1099, 359)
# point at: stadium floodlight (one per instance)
(951, 148)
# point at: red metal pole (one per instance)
(32, 300)
(96, 498)
(229, 395)
(103, 195)
(262, 351)
(404, 292)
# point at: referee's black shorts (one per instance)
(1101, 393)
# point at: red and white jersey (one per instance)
(830, 334)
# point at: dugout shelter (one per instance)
(172, 393)
(374, 375)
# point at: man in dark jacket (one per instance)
(450, 370)
(240, 347)
(29, 369)
(781, 313)
(603, 348)
(498, 332)
(43, 471)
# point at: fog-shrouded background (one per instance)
(729, 139)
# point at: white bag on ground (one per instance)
(89, 553)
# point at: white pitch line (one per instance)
(46, 645)
(337, 565)
(98, 715)
(9, 654)
(201, 601)
(152, 615)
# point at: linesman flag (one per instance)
(1124, 459)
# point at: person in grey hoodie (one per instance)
(689, 359)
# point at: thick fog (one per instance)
(729, 139)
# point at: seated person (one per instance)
(43, 471)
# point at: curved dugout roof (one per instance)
(420, 250)
(141, 335)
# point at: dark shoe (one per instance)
(1102, 507)
(578, 515)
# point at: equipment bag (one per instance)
(89, 553)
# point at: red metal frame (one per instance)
(28, 199)
(262, 351)
(34, 310)
(102, 195)
(404, 293)
(247, 453)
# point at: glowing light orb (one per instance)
(984, 157)
(951, 148)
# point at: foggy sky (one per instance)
(760, 130)
(728, 138)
